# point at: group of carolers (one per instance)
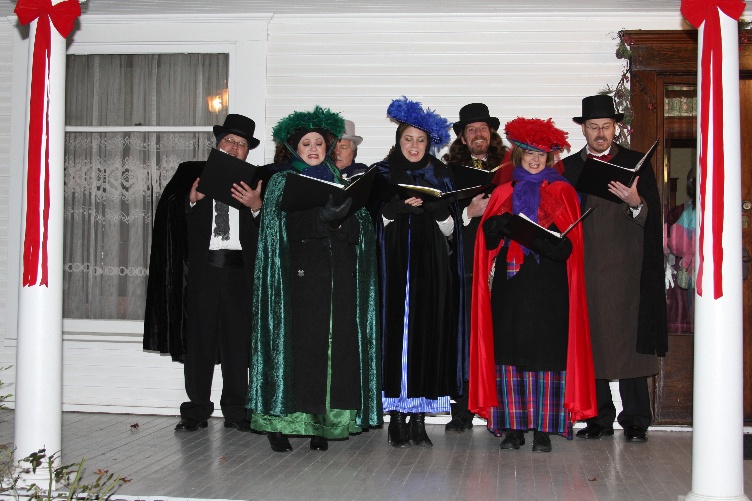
(325, 319)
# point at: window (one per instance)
(130, 120)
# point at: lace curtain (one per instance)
(114, 177)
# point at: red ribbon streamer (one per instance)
(63, 16)
(696, 13)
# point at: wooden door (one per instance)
(664, 66)
(745, 96)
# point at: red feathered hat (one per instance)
(536, 134)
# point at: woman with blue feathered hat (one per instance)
(314, 358)
(420, 265)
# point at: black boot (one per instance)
(319, 444)
(462, 419)
(278, 441)
(398, 433)
(513, 439)
(541, 442)
(418, 433)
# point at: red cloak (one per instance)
(563, 208)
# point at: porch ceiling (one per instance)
(328, 7)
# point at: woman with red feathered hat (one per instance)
(531, 363)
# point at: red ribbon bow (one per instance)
(63, 16)
(698, 12)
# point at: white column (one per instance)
(38, 392)
(717, 458)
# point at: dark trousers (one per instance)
(635, 400)
(219, 323)
(460, 408)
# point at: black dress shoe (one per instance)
(595, 430)
(319, 444)
(541, 442)
(278, 441)
(241, 425)
(459, 424)
(636, 433)
(513, 439)
(190, 424)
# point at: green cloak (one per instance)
(270, 391)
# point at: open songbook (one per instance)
(525, 231)
(222, 171)
(467, 176)
(427, 193)
(596, 174)
(304, 192)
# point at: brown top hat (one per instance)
(474, 112)
(600, 106)
(240, 126)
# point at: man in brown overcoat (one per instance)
(623, 277)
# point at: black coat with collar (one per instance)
(652, 330)
(175, 243)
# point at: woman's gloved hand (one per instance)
(438, 208)
(555, 252)
(332, 214)
(495, 228)
(397, 206)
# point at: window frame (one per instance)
(242, 37)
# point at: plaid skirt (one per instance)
(529, 400)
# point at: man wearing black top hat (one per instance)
(199, 297)
(477, 145)
(623, 276)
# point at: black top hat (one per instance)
(474, 112)
(600, 106)
(240, 126)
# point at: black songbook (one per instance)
(222, 171)
(525, 231)
(304, 193)
(426, 193)
(596, 174)
(466, 176)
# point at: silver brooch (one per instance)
(301, 273)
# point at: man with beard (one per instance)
(623, 277)
(477, 145)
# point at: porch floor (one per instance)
(219, 463)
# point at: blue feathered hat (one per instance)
(412, 113)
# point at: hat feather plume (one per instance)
(412, 113)
(319, 118)
(536, 134)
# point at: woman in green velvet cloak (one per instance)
(315, 358)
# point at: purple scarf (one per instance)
(526, 195)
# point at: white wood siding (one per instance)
(532, 66)
(535, 67)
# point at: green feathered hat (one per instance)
(302, 122)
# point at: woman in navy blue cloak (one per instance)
(420, 265)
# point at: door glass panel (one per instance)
(680, 158)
